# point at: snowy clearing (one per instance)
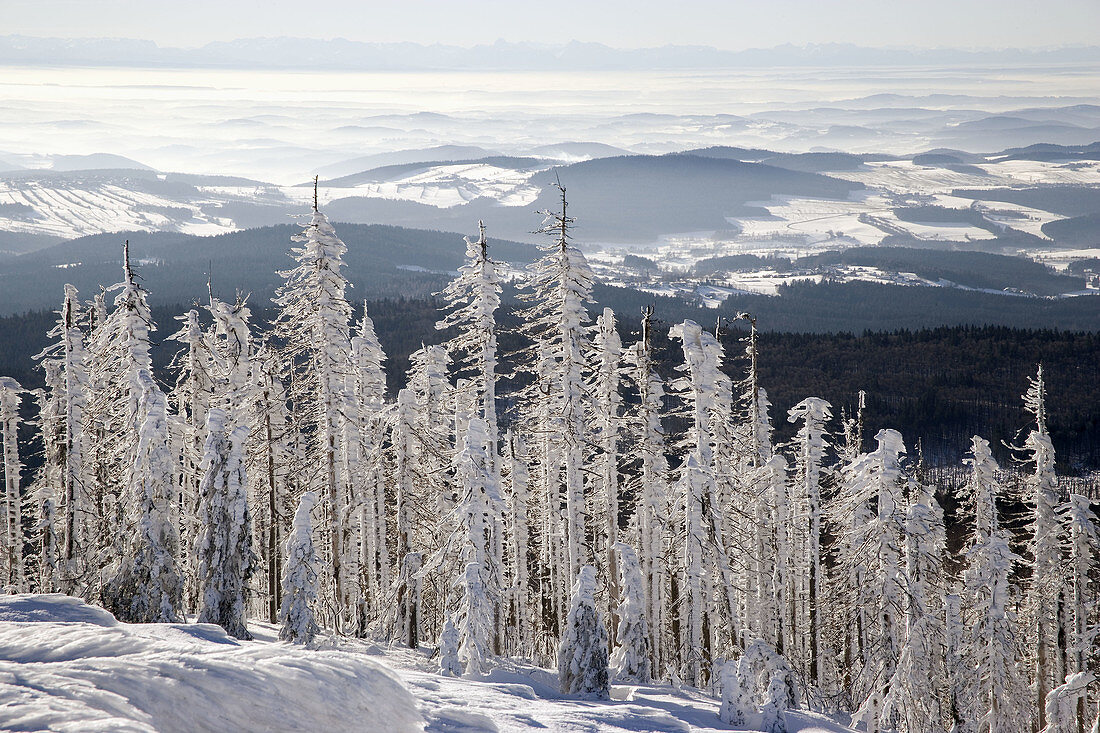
(66, 665)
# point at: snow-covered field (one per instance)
(68, 666)
(445, 186)
(73, 210)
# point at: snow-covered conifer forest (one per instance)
(566, 505)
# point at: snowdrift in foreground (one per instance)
(69, 666)
(65, 665)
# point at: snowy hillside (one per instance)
(65, 665)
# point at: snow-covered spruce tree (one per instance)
(651, 516)
(300, 577)
(763, 480)
(409, 494)
(1044, 595)
(583, 654)
(522, 609)
(480, 514)
(313, 323)
(119, 356)
(603, 509)
(436, 417)
(631, 658)
(758, 689)
(706, 392)
(560, 284)
(472, 300)
(42, 493)
(449, 665)
(1083, 536)
(808, 568)
(778, 593)
(192, 396)
(369, 391)
(475, 620)
(148, 587)
(223, 547)
(870, 560)
(233, 354)
(744, 481)
(694, 484)
(995, 682)
(13, 578)
(918, 696)
(72, 501)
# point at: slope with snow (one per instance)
(65, 665)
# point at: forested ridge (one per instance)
(938, 385)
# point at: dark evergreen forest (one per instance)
(938, 386)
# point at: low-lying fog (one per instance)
(283, 126)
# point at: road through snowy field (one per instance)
(68, 666)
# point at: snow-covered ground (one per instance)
(68, 666)
(444, 186)
(73, 210)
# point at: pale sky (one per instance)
(727, 24)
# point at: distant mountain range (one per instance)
(770, 198)
(343, 54)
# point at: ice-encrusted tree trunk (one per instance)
(74, 508)
(1083, 537)
(873, 543)
(1063, 704)
(300, 579)
(631, 658)
(405, 626)
(313, 323)
(522, 609)
(45, 487)
(583, 652)
(480, 514)
(809, 475)
(995, 681)
(1044, 595)
(604, 500)
(192, 396)
(14, 578)
(370, 394)
(433, 420)
(694, 484)
(651, 507)
(223, 547)
(706, 392)
(269, 468)
(148, 587)
(560, 284)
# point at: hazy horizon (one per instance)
(722, 24)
